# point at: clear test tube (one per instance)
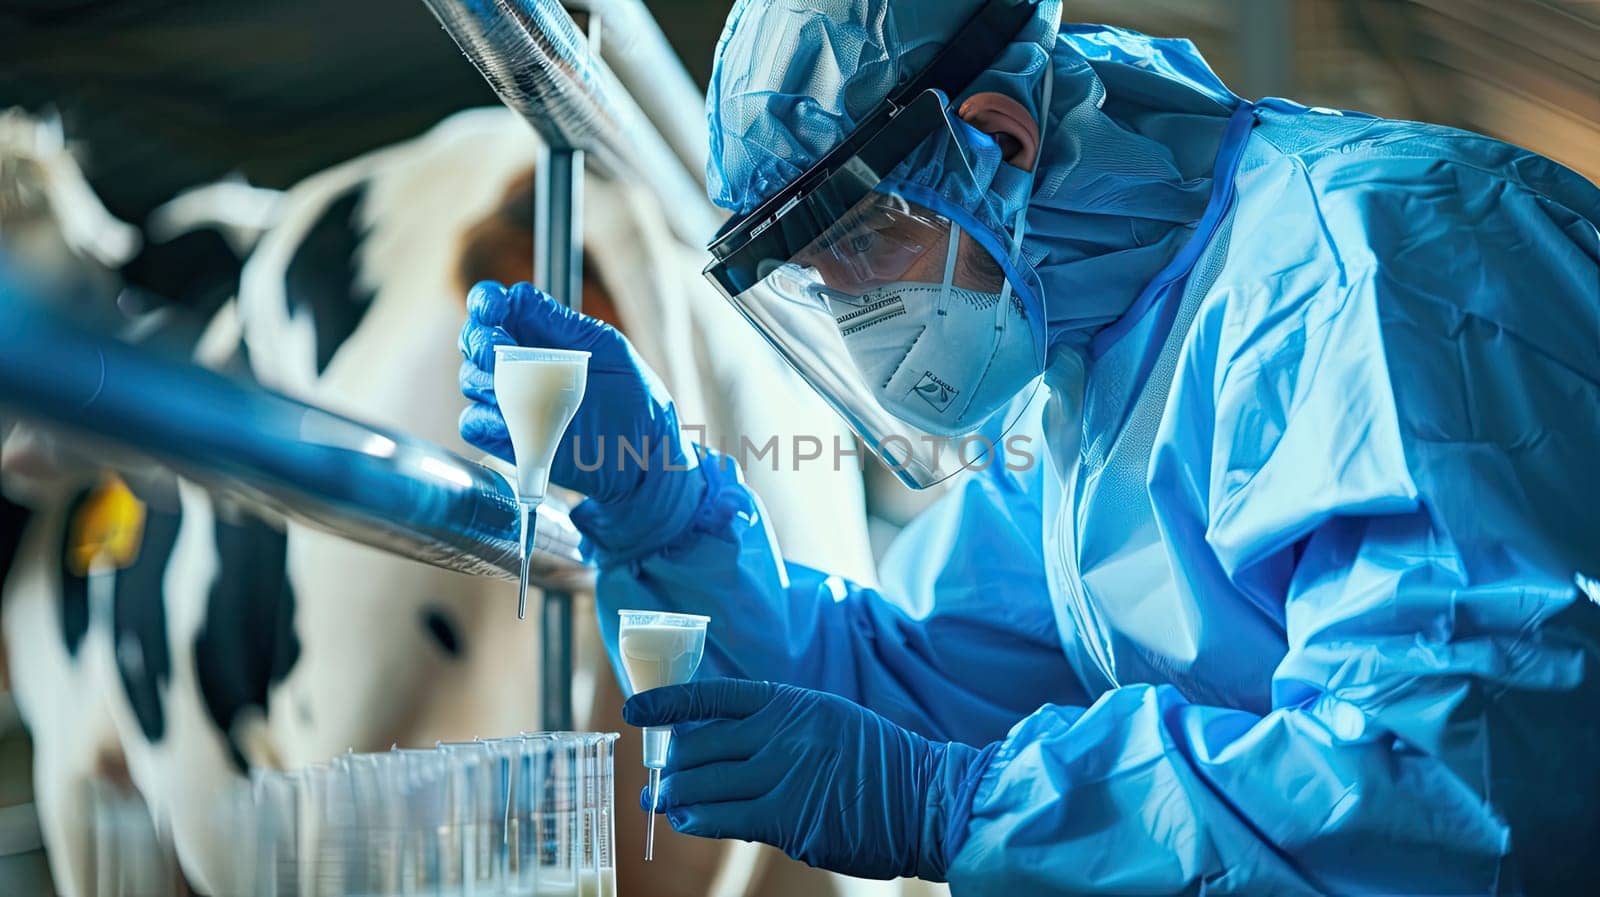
(129, 859)
(475, 808)
(236, 815)
(594, 779)
(427, 830)
(375, 791)
(499, 766)
(359, 871)
(448, 833)
(275, 801)
(310, 784)
(523, 762)
(327, 823)
(345, 820)
(599, 854)
(406, 870)
(567, 864)
(505, 783)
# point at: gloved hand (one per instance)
(633, 507)
(828, 782)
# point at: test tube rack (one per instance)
(532, 815)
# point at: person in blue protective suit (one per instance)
(1298, 594)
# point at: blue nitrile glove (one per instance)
(633, 507)
(828, 782)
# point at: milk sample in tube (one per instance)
(539, 391)
(657, 655)
(591, 885)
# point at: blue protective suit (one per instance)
(1306, 604)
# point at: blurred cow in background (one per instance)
(89, 571)
(58, 507)
(222, 642)
(432, 217)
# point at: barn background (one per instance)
(165, 94)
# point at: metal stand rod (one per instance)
(558, 265)
(1266, 47)
(558, 225)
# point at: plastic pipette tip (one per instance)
(529, 520)
(650, 822)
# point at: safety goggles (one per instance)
(883, 276)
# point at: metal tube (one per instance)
(540, 65)
(654, 75)
(273, 453)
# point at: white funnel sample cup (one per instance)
(539, 390)
(659, 649)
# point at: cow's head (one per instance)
(56, 231)
(354, 300)
(500, 246)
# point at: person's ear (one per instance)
(1007, 122)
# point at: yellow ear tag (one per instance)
(108, 527)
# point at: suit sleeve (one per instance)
(1404, 463)
(959, 644)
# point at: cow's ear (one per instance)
(500, 248)
(597, 301)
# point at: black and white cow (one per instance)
(89, 649)
(227, 642)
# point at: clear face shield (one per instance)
(901, 300)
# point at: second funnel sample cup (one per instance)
(659, 649)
